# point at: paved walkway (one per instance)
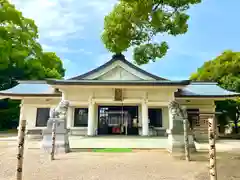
(142, 165)
(80, 142)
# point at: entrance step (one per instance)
(136, 142)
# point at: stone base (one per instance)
(61, 143)
(176, 143)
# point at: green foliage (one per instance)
(9, 111)
(49, 66)
(224, 69)
(21, 57)
(136, 22)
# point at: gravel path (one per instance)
(142, 165)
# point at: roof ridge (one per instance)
(32, 81)
(116, 57)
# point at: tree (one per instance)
(136, 22)
(21, 57)
(224, 69)
(49, 66)
(18, 43)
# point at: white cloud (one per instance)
(61, 19)
(63, 49)
(54, 19)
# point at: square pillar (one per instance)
(91, 119)
(70, 117)
(175, 132)
(145, 128)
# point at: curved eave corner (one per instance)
(205, 90)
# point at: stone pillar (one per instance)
(59, 116)
(91, 120)
(145, 128)
(175, 131)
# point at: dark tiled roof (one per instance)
(114, 59)
(119, 82)
(204, 89)
(194, 89)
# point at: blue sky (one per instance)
(72, 29)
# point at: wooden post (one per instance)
(186, 141)
(53, 139)
(21, 139)
(212, 148)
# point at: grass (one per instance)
(9, 131)
(116, 150)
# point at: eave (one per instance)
(114, 59)
(118, 83)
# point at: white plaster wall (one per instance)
(118, 73)
(30, 109)
(204, 105)
(82, 94)
(160, 95)
(165, 117)
(30, 115)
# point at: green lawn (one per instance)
(113, 150)
(8, 132)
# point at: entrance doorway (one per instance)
(118, 120)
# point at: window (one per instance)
(155, 116)
(81, 117)
(193, 117)
(42, 117)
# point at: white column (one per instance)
(70, 117)
(145, 131)
(140, 115)
(22, 115)
(95, 118)
(91, 124)
(170, 116)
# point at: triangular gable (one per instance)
(118, 68)
(118, 73)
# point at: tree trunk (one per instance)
(21, 139)
(236, 123)
(53, 140)
(186, 141)
(212, 148)
(236, 126)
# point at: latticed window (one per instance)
(193, 117)
(42, 117)
(81, 117)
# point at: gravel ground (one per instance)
(141, 165)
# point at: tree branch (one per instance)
(156, 7)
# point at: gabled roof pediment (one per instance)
(118, 68)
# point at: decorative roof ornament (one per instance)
(118, 56)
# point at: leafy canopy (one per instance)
(21, 56)
(136, 22)
(224, 69)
